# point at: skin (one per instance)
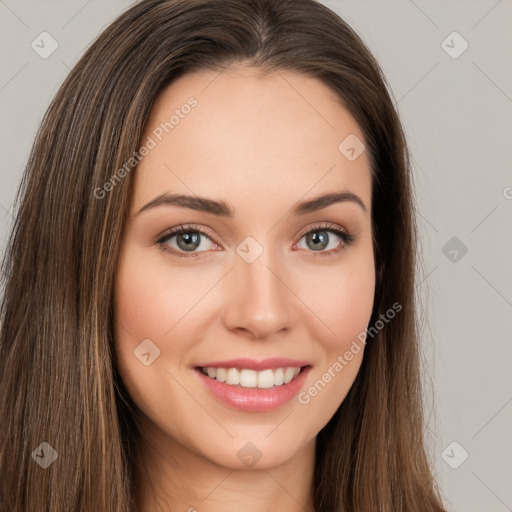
(260, 144)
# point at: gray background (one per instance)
(457, 116)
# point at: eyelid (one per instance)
(185, 227)
(327, 226)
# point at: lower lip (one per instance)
(254, 399)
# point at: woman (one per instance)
(209, 288)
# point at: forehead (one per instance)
(249, 135)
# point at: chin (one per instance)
(253, 452)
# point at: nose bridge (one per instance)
(259, 300)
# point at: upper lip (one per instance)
(254, 364)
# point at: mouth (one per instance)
(248, 378)
(264, 386)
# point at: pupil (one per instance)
(320, 239)
(188, 238)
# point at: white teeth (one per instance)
(278, 377)
(288, 375)
(221, 374)
(233, 377)
(248, 378)
(266, 379)
(263, 379)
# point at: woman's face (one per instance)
(268, 285)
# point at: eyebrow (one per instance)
(221, 209)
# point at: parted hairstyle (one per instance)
(59, 379)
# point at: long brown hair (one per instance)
(58, 376)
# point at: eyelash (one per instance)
(347, 239)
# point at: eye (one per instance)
(326, 236)
(188, 239)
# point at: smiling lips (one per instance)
(246, 378)
(253, 385)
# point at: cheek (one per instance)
(344, 305)
(142, 311)
(150, 301)
(350, 305)
(342, 299)
(153, 303)
(146, 307)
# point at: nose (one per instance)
(259, 301)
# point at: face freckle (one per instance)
(265, 282)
